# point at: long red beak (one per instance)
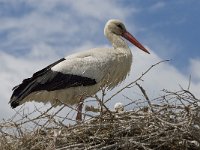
(133, 40)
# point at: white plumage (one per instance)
(80, 75)
(119, 107)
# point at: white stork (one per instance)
(72, 79)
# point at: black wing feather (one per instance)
(37, 74)
(48, 80)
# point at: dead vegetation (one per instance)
(169, 121)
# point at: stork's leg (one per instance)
(79, 111)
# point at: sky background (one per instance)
(34, 33)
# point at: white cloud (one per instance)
(97, 9)
(195, 69)
(162, 76)
(59, 23)
(157, 6)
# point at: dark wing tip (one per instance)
(15, 87)
(14, 103)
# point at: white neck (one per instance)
(116, 40)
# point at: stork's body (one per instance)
(82, 74)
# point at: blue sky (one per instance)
(174, 21)
(34, 33)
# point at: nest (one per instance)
(170, 121)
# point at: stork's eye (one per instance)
(120, 26)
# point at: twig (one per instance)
(102, 104)
(145, 95)
(189, 83)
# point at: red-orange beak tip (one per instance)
(146, 51)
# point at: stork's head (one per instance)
(117, 27)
